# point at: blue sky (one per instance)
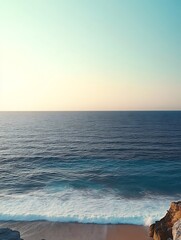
(90, 54)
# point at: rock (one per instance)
(8, 234)
(176, 230)
(162, 230)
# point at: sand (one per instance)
(44, 230)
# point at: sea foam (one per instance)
(71, 205)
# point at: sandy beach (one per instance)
(44, 230)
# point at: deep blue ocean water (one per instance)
(101, 167)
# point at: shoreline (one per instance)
(46, 230)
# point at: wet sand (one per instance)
(44, 230)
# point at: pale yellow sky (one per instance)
(89, 56)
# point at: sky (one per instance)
(68, 55)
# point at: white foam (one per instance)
(79, 206)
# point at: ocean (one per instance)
(89, 167)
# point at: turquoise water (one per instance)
(101, 167)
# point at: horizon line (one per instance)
(144, 110)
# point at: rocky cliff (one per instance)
(176, 230)
(162, 230)
(8, 234)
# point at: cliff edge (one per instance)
(169, 227)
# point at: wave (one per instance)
(70, 205)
